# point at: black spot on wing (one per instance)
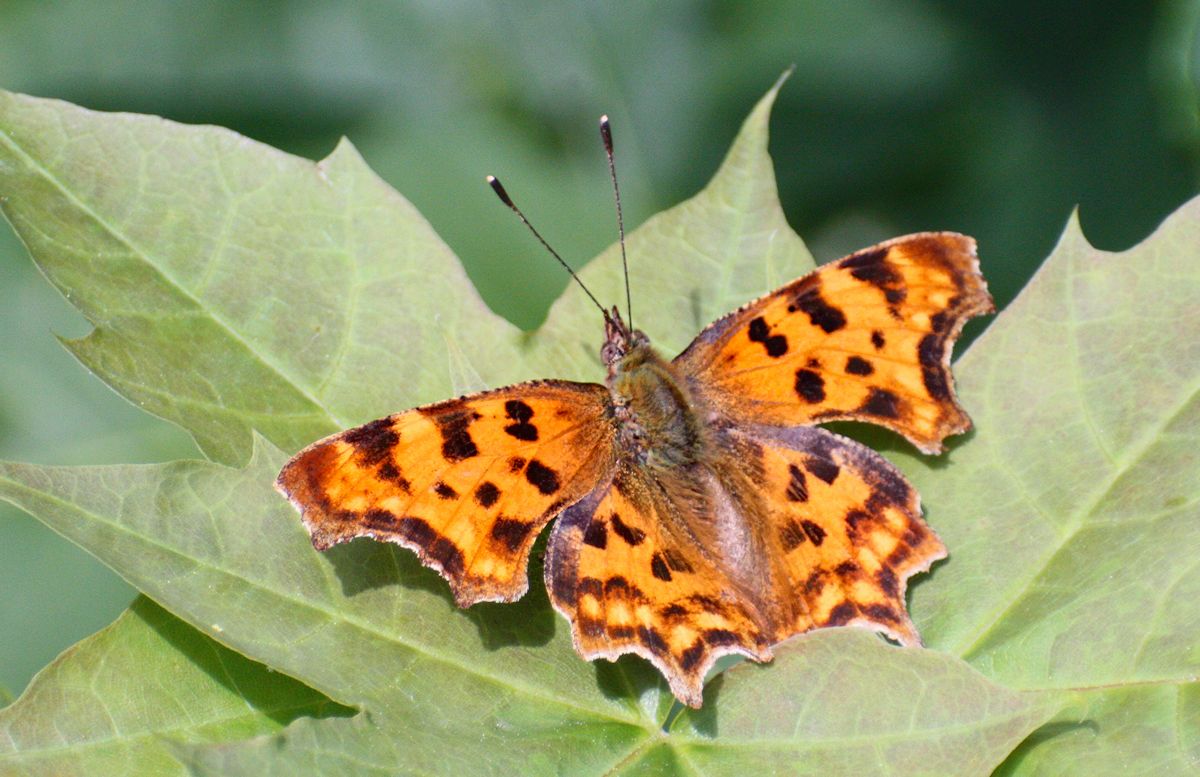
(456, 437)
(511, 532)
(519, 413)
(596, 534)
(815, 582)
(542, 477)
(444, 491)
(658, 568)
(797, 490)
(814, 532)
(842, 614)
(674, 610)
(881, 403)
(631, 534)
(720, 637)
(819, 312)
(881, 613)
(759, 332)
(929, 353)
(591, 586)
(872, 267)
(676, 561)
(373, 441)
(620, 588)
(691, 657)
(940, 321)
(486, 494)
(589, 627)
(870, 257)
(791, 535)
(887, 581)
(435, 546)
(878, 340)
(810, 386)
(380, 520)
(709, 603)
(516, 464)
(857, 365)
(391, 473)
(824, 469)
(651, 638)
(857, 522)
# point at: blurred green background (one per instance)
(986, 117)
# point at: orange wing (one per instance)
(619, 570)
(846, 527)
(777, 536)
(468, 483)
(866, 338)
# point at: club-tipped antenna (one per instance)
(498, 188)
(606, 136)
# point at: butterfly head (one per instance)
(619, 339)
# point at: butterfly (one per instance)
(700, 511)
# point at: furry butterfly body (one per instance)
(699, 510)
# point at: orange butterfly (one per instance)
(699, 511)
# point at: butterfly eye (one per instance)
(611, 351)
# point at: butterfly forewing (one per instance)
(865, 338)
(468, 483)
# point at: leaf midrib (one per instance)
(1076, 521)
(333, 615)
(252, 715)
(826, 742)
(143, 256)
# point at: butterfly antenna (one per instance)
(606, 136)
(498, 188)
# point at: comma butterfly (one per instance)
(700, 512)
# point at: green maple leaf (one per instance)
(260, 301)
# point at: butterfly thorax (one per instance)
(659, 427)
(681, 467)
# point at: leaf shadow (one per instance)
(1040, 736)
(528, 622)
(628, 677)
(704, 720)
(883, 441)
(274, 695)
(364, 565)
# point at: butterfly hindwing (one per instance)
(468, 483)
(865, 338)
(847, 527)
(628, 584)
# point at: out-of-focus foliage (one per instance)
(990, 118)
